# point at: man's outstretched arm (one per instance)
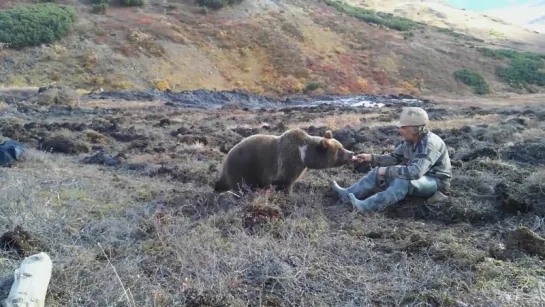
(393, 158)
(425, 157)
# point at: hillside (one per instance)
(267, 47)
(484, 26)
(530, 15)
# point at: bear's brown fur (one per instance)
(262, 160)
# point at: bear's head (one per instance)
(326, 152)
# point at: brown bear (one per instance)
(261, 160)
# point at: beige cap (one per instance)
(412, 116)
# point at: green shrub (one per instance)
(216, 4)
(312, 86)
(522, 71)
(524, 67)
(32, 25)
(99, 8)
(370, 16)
(473, 79)
(132, 2)
(459, 35)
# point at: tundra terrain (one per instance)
(119, 194)
(137, 107)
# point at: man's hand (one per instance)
(381, 171)
(362, 158)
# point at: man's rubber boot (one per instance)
(361, 188)
(435, 198)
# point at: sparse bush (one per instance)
(217, 4)
(32, 25)
(524, 67)
(162, 85)
(370, 16)
(312, 86)
(496, 33)
(132, 2)
(473, 79)
(408, 35)
(100, 8)
(459, 35)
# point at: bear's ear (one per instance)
(324, 143)
(328, 134)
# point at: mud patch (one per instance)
(510, 196)
(20, 241)
(102, 158)
(520, 242)
(65, 145)
(257, 216)
(485, 152)
(532, 153)
(208, 99)
(194, 298)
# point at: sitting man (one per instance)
(427, 173)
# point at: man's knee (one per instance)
(424, 187)
(400, 187)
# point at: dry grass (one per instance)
(124, 104)
(333, 122)
(463, 121)
(172, 241)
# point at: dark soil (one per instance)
(305, 249)
(20, 241)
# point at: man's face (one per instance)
(407, 133)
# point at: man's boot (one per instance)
(393, 194)
(435, 198)
(361, 188)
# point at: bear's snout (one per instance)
(347, 155)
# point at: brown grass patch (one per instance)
(462, 121)
(124, 104)
(333, 122)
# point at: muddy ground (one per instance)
(136, 177)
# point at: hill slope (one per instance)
(530, 15)
(507, 32)
(264, 46)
